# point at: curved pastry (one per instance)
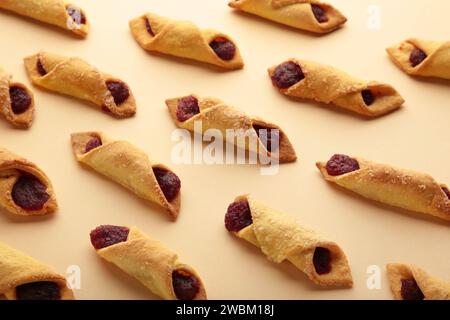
(311, 80)
(390, 185)
(310, 15)
(56, 12)
(214, 114)
(24, 188)
(149, 261)
(77, 78)
(281, 238)
(186, 40)
(24, 278)
(411, 283)
(16, 101)
(422, 58)
(130, 167)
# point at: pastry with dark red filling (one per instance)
(310, 15)
(75, 77)
(59, 13)
(16, 101)
(409, 282)
(310, 80)
(281, 238)
(270, 139)
(24, 188)
(149, 261)
(407, 189)
(184, 39)
(130, 167)
(424, 58)
(24, 278)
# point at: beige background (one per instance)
(416, 137)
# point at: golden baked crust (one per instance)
(127, 165)
(437, 63)
(397, 187)
(49, 11)
(431, 287)
(75, 77)
(22, 120)
(281, 238)
(150, 262)
(329, 85)
(294, 13)
(215, 114)
(17, 268)
(182, 39)
(11, 167)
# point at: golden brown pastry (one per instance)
(311, 80)
(24, 188)
(390, 185)
(16, 101)
(422, 57)
(281, 238)
(56, 12)
(411, 283)
(184, 39)
(310, 15)
(130, 167)
(215, 114)
(149, 261)
(75, 77)
(24, 278)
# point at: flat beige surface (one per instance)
(416, 137)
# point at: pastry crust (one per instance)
(431, 287)
(75, 77)
(12, 167)
(281, 238)
(397, 187)
(150, 262)
(329, 85)
(215, 114)
(182, 39)
(294, 13)
(21, 120)
(49, 11)
(17, 268)
(437, 63)
(127, 165)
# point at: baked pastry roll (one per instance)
(186, 40)
(149, 261)
(24, 278)
(409, 282)
(76, 78)
(130, 167)
(24, 188)
(281, 238)
(215, 114)
(422, 57)
(56, 12)
(397, 187)
(16, 101)
(310, 15)
(311, 80)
